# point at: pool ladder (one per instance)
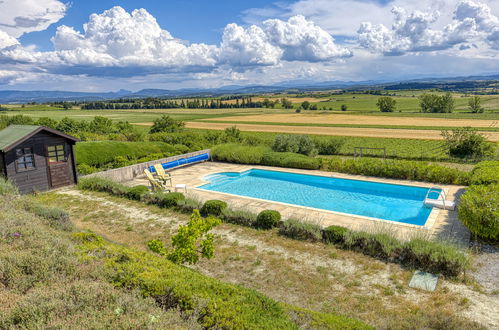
(441, 202)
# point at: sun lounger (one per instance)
(162, 175)
(156, 184)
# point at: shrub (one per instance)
(188, 205)
(435, 257)
(292, 160)
(58, 218)
(137, 192)
(268, 219)
(7, 187)
(213, 207)
(165, 200)
(243, 218)
(334, 234)
(382, 245)
(299, 230)
(479, 211)
(466, 142)
(399, 169)
(485, 173)
(166, 124)
(84, 169)
(301, 144)
(103, 185)
(239, 154)
(329, 146)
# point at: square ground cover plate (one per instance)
(424, 281)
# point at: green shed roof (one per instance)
(15, 134)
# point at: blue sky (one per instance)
(198, 43)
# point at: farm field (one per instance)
(332, 131)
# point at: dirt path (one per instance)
(335, 131)
(481, 307)
(358, 120)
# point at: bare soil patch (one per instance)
(334, 131)
(297, 118)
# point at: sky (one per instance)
(89, 45)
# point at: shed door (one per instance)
(58, 165)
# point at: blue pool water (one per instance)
(371, 199)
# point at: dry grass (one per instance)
(331, 131)
(309, 275)
(308, 118)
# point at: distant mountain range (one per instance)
(451, 83)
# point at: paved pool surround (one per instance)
(440, 223)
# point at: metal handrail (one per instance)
(441, 193)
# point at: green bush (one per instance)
(84, 169)
(100, 154)
(435, 257)
(291, 160)
(396, 169)
(103, 185)
(213, 207)
(223, 305)
(239, 154)
(268, 219)
(381, 245)
(334, 234)
(242, 218)
(137, 192)
(466, 142)
(56, 217)
(188, 205)
(301, 144)
(7, 187)
(165, 200)
(486, 172)
(479, 211)
(329, 146)
(300, 230)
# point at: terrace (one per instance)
(442, 224)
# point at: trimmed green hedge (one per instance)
(300, 230)
(479, 211)
(221, 305)
(394, 169)
(486, 172)
(397, 169)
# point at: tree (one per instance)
(47, 122)
(344, 107)
(267, 103)
(286, 104)
(166, 124)
(466, 142)
(313, 107)
(101, 125)
(191, 242)
(475, 104)
(66, 106)
(305, 105)
(386, 104)
(436, 103)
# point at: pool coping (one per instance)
(429, 223)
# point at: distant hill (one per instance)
(489, 84)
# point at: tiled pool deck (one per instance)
(441, 223)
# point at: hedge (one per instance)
(267, 219)
(394, 169)
(221, 305)
(479, 211)
(431, 256)
(486, 172)
(213, 207)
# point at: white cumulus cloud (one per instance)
(296, 39)
(6, 40)
(414, 32)
(21, 16)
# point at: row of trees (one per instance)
(431, 103)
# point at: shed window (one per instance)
(57, 153)
(25, 159)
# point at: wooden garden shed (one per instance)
(37, 158)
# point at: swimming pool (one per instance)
(364, 198)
